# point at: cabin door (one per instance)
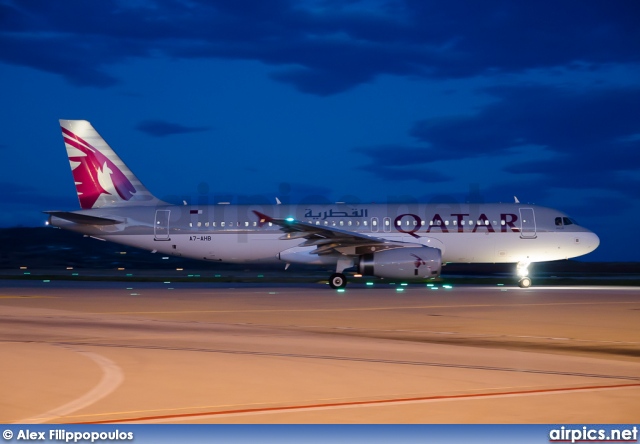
(527, 223)
(161, 227)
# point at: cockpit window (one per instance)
(568, 221)
(558, 221)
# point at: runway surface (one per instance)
(239, 353)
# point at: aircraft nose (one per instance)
(591, 241)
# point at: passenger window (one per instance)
(222, 224)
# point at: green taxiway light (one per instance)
(261, 275)
(289, 219)
(369, 283)
(46, 280)
(433, 288)
(217, 275)
(404, 284)
(447, 286)
(399, 289)
(340, 290)
(500, 285)
(129, 274)
(75, 274)
(26, 272)
(429, 285)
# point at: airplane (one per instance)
(396, 241)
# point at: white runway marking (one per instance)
(112, 377)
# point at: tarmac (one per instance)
(114, 352)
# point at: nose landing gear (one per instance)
(523, 275)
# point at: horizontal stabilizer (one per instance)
(83, 218)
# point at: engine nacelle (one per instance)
(402, 263)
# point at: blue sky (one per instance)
(317, 100)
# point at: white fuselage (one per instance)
(472, 233)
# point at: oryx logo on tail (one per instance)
(94, 174)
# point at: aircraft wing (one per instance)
(331, 239)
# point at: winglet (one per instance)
(263, 218)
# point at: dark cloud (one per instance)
(26, 195)
(590, 138)
(400, 163)
(567, 121)
(161, 128)
(320, 47)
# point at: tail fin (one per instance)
(101, 178)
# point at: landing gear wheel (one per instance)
(525, 282)
(337, 280)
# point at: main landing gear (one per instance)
(523, 275)
(337, 280)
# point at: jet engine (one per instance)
(402, 263)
